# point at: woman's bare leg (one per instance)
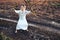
(15, 31)
(27, 29)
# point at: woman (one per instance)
(22, 22)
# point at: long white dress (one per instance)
(22, 22)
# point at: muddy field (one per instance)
(42, 17)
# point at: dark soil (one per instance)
(39, 13)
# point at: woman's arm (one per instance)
(28, 12)
(17, 11)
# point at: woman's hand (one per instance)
(13, 9)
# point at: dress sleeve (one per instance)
(28, 12)
(17, 11)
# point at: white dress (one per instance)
(22, 22)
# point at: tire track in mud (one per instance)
(48, 26)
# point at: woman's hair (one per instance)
(22, 5)
(25, 6)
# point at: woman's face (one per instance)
(23, 7)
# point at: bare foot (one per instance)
(27, 30)
(16, 31)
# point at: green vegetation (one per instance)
(4, 37)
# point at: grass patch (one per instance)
(4, 37)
